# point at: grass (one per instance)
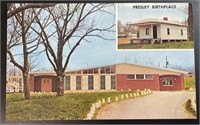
(189, 108)
(72, 106)
(172, 45)
(189, 83)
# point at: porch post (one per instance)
(152, 41)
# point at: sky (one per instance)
(126, 13)
(100, 52)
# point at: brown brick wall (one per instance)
(178, 83)
(32, 82)
(123, 83)
(37, 83)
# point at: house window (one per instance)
(96, 70)
(67, 82)
(113, 84)
(78, 82)
(91, 71)
(132, 76)
(139, 76)
(90, 83)
(85, 71)
(147, 31)
(103, 70)
(108, 69)
(181, 32)
(168, 31)
(103, 82)
(167, 82)
(148, 76)
(112, 68)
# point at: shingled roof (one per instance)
(153, 21)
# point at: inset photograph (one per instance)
(154, 26)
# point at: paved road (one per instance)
(159, 105)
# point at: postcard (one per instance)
(95, 62)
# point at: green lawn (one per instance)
(72, 106)
(171, 45)
(189, 83)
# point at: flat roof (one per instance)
(73, 70)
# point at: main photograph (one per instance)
(62, 64)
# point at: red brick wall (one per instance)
(123, 83)
(178, 83)
(32, 82)
(182, 82)
(37, 83)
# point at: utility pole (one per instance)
(167, 63)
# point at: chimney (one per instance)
(165, 18)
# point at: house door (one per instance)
(155, 32)
(46, 85)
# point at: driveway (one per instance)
(159, 105)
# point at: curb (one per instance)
(99, 103)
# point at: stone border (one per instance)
(103, 101)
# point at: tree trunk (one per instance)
(190, 22)
(26, 85)
(60, 85)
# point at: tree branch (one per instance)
(28, 6)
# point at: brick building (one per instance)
(112, 77)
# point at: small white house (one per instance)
(153, 30)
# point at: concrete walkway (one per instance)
(159, 105)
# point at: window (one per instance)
(78, 72)
(113, 85)
(132, 76)
(167, 82)
(96, 70)
(147, 31)
(148, 76)
(90, 83)
(103, 82)
(90, 71)
(103, 70)
(181, 32)
(139, 76)
(73, 72)
(85, 71)
(78, 82)
(168, 31)
(112, 68)
(67, 82)
(108, 69)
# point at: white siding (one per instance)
(175, 32)
(142, 32)
(84, 82)
(108, 82)
(96, 82)
(73, 82)
(158, 31)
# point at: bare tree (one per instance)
(20, 37)
(119, 26)
(12, 70)
(190, 22)
(12, 9)
(74, 23)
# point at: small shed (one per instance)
(158, 31)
